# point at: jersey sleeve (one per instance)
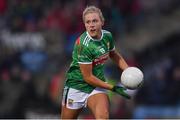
(84, 55)
(112, 45)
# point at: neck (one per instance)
(98, 36)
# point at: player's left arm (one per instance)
(118, 59)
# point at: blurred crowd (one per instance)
(160, 97)
(36, 41)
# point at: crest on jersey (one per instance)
(102, 50)
(70, 101)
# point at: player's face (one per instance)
(93, 24)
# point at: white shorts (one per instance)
(76, 99)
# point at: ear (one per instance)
(102, 23)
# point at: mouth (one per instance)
(93, 30)
(93, 33)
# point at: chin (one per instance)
(93, 36)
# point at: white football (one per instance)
(132, 78)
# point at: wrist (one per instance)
(111, 87)
(114, 88)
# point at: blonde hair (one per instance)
(92, 9)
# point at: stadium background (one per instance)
(36, 41)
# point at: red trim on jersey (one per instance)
(78, 41)
(100, 60)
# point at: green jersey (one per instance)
(89, 51)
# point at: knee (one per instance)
(104, 114)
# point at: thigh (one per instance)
(72, 103)
(99, 105)
(67, 113)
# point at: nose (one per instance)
(91, 24)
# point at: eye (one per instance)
(87, 21)
(95, 21)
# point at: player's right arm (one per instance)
(86, 70)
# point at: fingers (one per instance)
(124, 94)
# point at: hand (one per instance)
(121, 91)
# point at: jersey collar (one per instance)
(95, 39)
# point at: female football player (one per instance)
(85, 85)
